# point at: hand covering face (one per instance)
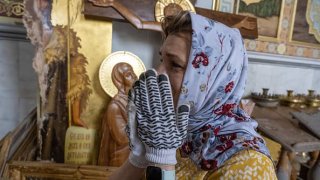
(213, 85)
(160, 128)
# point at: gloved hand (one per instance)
(159, 127)
(137, 153)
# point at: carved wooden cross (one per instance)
(140, 13)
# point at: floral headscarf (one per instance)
(213, 85)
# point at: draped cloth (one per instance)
(213, 85)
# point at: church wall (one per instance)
(144, 44)
(278, 77)
(17, 83)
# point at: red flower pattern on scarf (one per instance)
(224, 147)
(227, 137)
(216, 130)
(227, 141)
(227, 109)
(200, 58)
(229, 87)
(251, 143)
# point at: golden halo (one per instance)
(110, 61)
(171, 5)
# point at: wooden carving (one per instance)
(141, 14)
(126, 13)
(114, 148)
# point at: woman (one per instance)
(206, 63)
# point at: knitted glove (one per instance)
(137, 154)
(160, 128)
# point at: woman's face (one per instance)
(174, 59)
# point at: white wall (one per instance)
(144, 44)
(280, 78)
(316, 81)
(204, 4)
(18, 86)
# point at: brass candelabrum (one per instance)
(312, 100)
(293, 100)
(265, 99)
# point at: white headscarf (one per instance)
(213, 85)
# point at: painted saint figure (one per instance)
(114, 147)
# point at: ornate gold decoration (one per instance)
(281, 49)
(11, 8)
(47, 170)
(108, 64)
(313, 18)
(169, 7)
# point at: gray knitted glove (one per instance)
(159, 127)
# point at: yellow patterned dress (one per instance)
(247, 164)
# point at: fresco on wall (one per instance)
(267, 12)
(301, 27)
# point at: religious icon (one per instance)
(79, 88)
(171, 7)
(66, 78)
(313, 18)
(114, 145)
(55, 55)
(268, 14)
(306, 19)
